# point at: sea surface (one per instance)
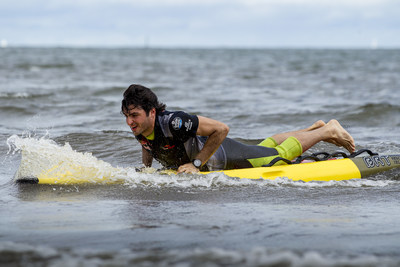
(64, 104)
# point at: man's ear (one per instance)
(152, 113)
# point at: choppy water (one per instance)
(53, 96)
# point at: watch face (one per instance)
(197, 163)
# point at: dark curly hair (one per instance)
(140, 96)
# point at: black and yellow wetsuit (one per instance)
(174, 142)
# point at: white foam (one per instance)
(256, 256)
(14, 95)
(41, 155)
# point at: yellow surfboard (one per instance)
(334, 169)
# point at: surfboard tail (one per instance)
(371, 165)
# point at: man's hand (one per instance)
(187, 168)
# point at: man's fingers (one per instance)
(187, 169)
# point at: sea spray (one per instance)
(45, 159)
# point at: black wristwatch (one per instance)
(197, 163)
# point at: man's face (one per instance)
(139, 121)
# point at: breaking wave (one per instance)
(23, 254)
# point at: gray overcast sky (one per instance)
(201, 23)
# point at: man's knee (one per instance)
(269, 142)
(290, 148)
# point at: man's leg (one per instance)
(279, 138)
(331, 132)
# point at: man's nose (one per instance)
(129, 121)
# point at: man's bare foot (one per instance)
(332, 141)
(316, 125)
(339, 136)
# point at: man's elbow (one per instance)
(224, 130)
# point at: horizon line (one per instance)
(205, 47)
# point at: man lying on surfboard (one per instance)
(191, 143)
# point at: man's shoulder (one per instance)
(174, 122)
(168, 117)
(169, 113)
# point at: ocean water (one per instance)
(64, 104)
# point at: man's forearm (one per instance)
(147, 158)
(216, 132)
(212, 144)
